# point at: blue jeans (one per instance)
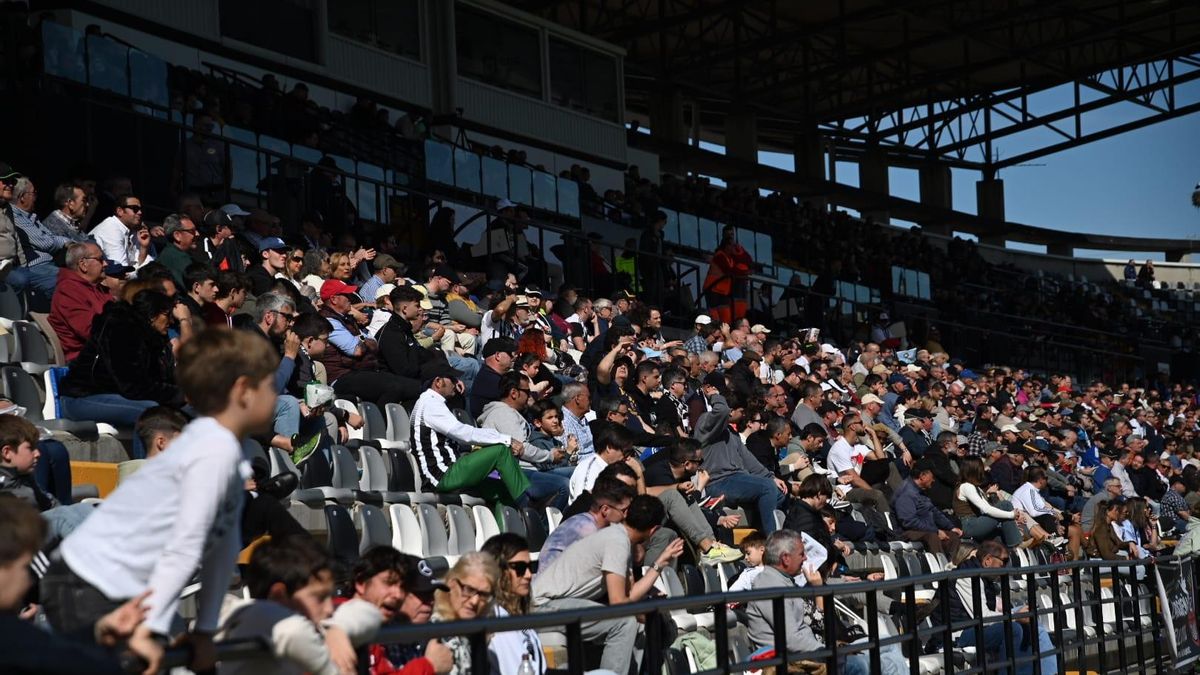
(111, 409)
(469, 367)
(742, 489)
(53, 470)
(40, 279)
(62, 520)
(287, 415)
(542, 484)
(993, 642)
(891, 661)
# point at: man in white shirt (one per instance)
(1028, 498)
(122, 237)
(441, 442)
(846, 460)
(613, 443)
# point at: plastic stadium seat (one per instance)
(20, 388)
(34, 347)
(352, 434)
(373, 526)
(12, 304)
(314, 497)
(462, 530)
(536, 529)
(554, 518)
(486, 527)
(510, 520)
(434, 540)
(343, 539)
(374, 424)
(406, 531)
(375, 483)
(693, 579)
(464, 417)
(56, 351)
(252, 449)
(399, 426)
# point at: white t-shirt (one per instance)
(843, 457)
(179, 513)
(297, 644)
(579, 571)
(507, 649)
(584, 475)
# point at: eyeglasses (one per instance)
(297, 258)
(614, 508)
(136, 208)
(524, 390)
(187, 231)
(470, 592)
(520, 567)
(10, 182)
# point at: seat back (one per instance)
(252, 450)
(374, 527)
(486, 527)
(12, 303)
(713, 583)
(462, 530)
(374, 470)
(406, 531)
(22, 389)
(554, 518)
(34, 346)
(511, 521)
(536, 528)
(399, 426)
(435, 541)
(51, 409)
(56, 350)
(352, 434)
(343, 539)
(345, 471)
(464, 417)
(403, 477)
(374, 425)
(692, 578)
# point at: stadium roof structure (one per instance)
(946, 81)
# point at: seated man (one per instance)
(918, 518)
(859, 467)
(403, 591)
(79, 297)
(784, 560)
(599, 563)
(437, 437)
(351, 357)
(733, 471)
(613, 443)
(507, 417)
(291, 589)
(610, 498)
(673, 475)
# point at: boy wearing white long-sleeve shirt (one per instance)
(179, 514)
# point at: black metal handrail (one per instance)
(1073, 575)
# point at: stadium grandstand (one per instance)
(370, 336)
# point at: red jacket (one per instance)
(75, 303)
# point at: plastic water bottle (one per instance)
(526, 666)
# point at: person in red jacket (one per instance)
(725, 283)
(79, 296)
(402, 587)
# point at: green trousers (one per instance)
(470, 474)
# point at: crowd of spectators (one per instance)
(524, 396)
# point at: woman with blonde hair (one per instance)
(470, 589)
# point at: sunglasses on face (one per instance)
(10, 182)
(520, 567)
(136, 208)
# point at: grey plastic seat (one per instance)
(20, 388)
(434, 540)
(373, 526)
(510, 520)
(462, 530)
(343, 539)
(313, 496)
(399, 426)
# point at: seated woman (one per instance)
(1104, 543)
(470, 588)
(981, 519)
(507, 650)
(126, 366)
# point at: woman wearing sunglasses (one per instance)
(508, 649)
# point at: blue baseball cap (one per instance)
(272, 244)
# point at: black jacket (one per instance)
(125, 356)
(759, 445)
(945, 480)
(803, 518)
(25, 648)
(399, 351)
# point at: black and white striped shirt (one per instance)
(439, 439)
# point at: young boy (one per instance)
(179, 514)
(291, 586)
(753, 546)
(158, 427)
(18, 458)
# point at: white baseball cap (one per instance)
(703, 319)
(234, 210)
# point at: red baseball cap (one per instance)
(333, 287)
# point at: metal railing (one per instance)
(1122, 631)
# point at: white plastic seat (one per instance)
(406, 531)
(486, 526)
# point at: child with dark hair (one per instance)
(18, 458)
(291, 608)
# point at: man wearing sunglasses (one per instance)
(122, 236)
(181, 232)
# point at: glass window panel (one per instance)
(544, 191)
(862, 294)
(583, 79)
(710, 234)
(439, 162)
(369, 191)
(148, 78)
(911, 285)
(306, 154)
(898, 280)
(62, 52)
(520, 184)
(498, 52)
(923, 292)
(390, 25)
(568, 197)
(107, 61)
(466, 170)
(765, 248)
(671, 230)
(495, 177)
(689, 231)
(746, 239)
(347, 167)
